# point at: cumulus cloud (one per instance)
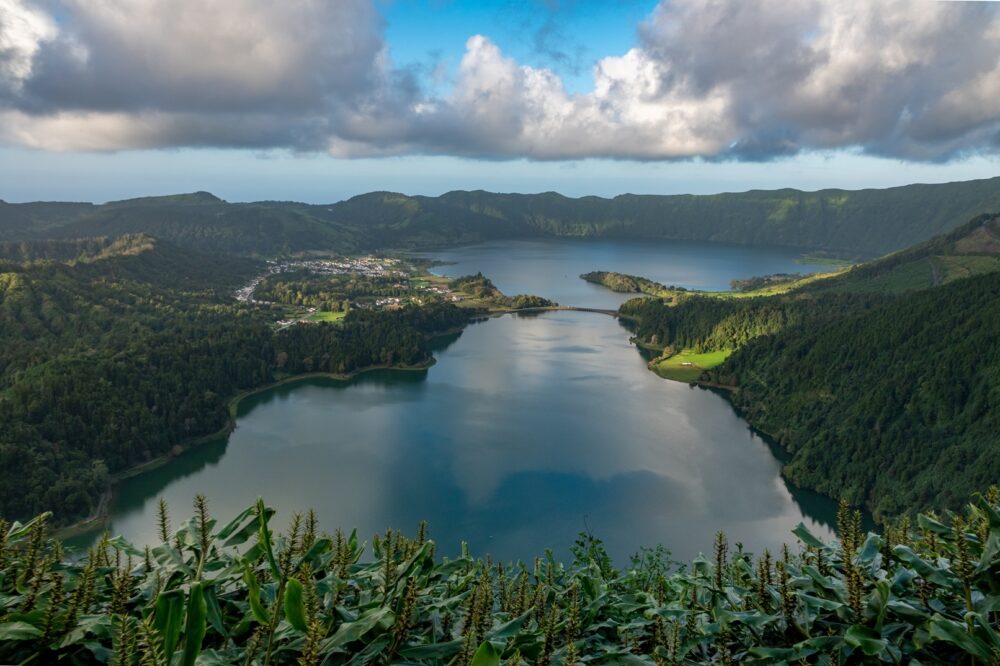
(23, 29)
(743, 79)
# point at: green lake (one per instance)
(527, 431)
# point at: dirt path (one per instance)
(935, 275)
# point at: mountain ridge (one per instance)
(856, 223)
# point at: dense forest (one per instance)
(858, 223)
(897, 407)
(240, 593)
(326, 292)
(881, 389)
(366, 338)
(111, 361)
(704, 323)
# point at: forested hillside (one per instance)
(113, 359)
(704, 323)
(882, 387)
(898, 407)
(864, 222)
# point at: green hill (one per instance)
(855, 223)
(897, 407)
(970, 249)
(134, 347)
(882, 383)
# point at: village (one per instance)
(417, 289)
(368, 266)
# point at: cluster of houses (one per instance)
(367, 266)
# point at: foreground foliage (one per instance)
(240, 594)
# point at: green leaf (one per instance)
(265, 538)
(320, 547)
(511, 628)
(239, 529)
(196, 626)
(295, 607)
(257, 608)
(18, 631)
(168, 617)
(943, 629)
(351, 631)
(923, 568)
(869, 640)
(991, 552)
(486, 655)
(98, 626)
(869, 549)
(18, 531)
(807, 537)
(439, 651)
(931, 525)
(215, 610)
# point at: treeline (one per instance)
(366, 338)
(897, 407)
(240, 593)
(705, 323)
(53, 250)
(112, 362)
(481, 287)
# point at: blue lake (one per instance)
(528, 430)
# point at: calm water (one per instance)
(551, 268)
(528, 430)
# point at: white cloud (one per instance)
(23, 29)
(730, 79)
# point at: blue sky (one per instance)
(318, 102)
(566, 36)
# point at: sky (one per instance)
(320, 100)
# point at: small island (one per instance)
(629, 284)
(481, 289)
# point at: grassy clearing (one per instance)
(687, 366)
(675, 295)
(819, 260)
(326, 316)
(956, 267)
(777, 289)
(910, 276)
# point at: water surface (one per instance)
(528, 430)
(551, 267)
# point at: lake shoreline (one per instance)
(101, 514)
